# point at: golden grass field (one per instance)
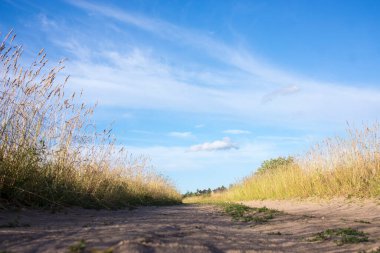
(347, 167)
(51, 154)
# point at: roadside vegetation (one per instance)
(347, 167)
(244, 213)
(340, 236)
(52, 155)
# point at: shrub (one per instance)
(274, 164)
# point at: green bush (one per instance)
(273, 164)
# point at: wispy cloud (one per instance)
(181, 134)
(138, 79)
(238, 57)
(123, 16)
(223, 144)
(236, 131)
(291, 89)
(47, 23)
(127, 115)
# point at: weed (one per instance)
(308, 216)
(341, 236)
(247, 214)
(363, 221)
(109, 250)
(274, 233)
(78, 247)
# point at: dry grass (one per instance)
(337, 167)
(50, 153)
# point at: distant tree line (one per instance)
(204, 192)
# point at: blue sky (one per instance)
(210, 89)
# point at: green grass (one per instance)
(244, 213)
(81, 247)
(51, 154)
(78, 247)
(340, 236)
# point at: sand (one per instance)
(189, 228)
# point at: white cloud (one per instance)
(236, 131)
(291, 89)
(199, 126)
(181, 134)
(46, 23)
(223, 144)
(137, 80)
(127, 115)
(231, 55)
(249, 154)
(136, 20)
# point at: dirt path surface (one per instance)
(187, 228)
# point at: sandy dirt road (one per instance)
(187, 228)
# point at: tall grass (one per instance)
(337, 167)
(50, 152)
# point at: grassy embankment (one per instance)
(338, 167)
(50, 153)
